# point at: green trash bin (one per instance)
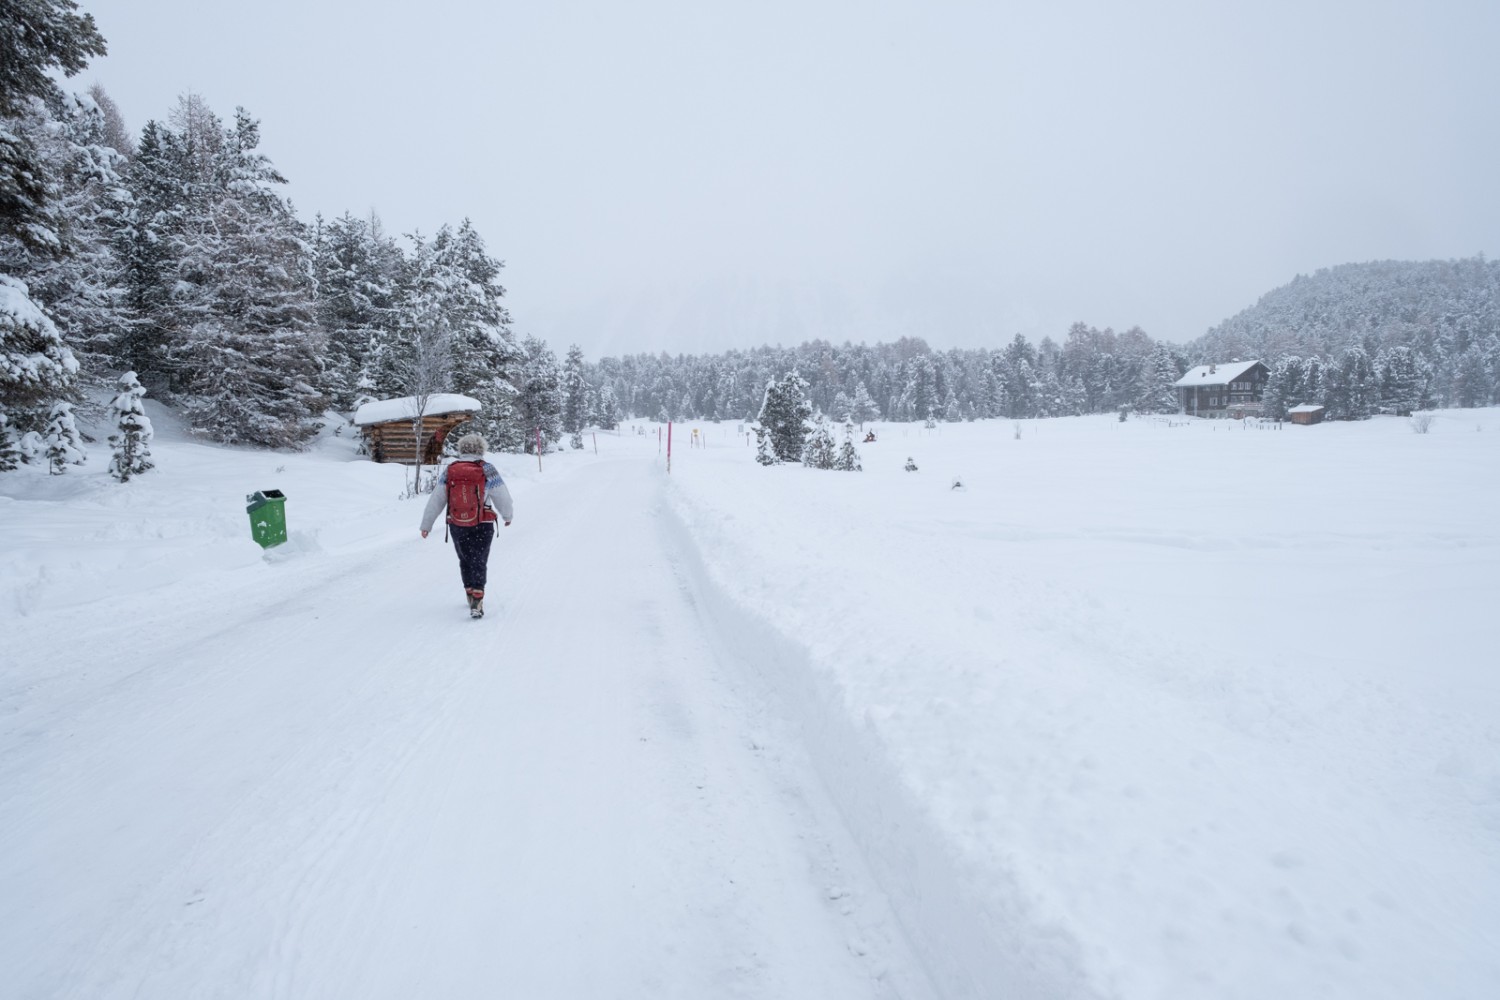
(267, 509)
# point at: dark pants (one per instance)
(473, 545)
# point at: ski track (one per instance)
(342, 787)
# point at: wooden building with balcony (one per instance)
(1231, 390)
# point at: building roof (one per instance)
(1221, 374)
(1304, 408)
(381, 410)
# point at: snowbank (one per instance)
(1148, 710)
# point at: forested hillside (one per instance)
(1439, 308)
(1360, 338)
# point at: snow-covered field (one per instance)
(1146, 709)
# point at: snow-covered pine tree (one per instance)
(37, 37)
(819, 451)
(575, 390)
(863, 409)
(539, 400)
(35, 365)
(764, 454)
(132, 439)
(608, 413)
(76, 280)
(1404, 379)
(147, 245)
(248, 360)
(1470, 383)
(1158, 383)
(64, 446)
(10, 449)
(358, 270)
(784, 414)
(848, 456)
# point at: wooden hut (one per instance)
(1305, 414)
(389, 426)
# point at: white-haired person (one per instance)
(470, 489)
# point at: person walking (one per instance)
(470, 488)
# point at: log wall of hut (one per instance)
(394, 441)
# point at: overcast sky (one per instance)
(693, 175)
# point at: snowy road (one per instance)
(338, 786)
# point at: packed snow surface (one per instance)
(1152, 709)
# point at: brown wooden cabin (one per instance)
(1231, 390)
(389, 436)
(1306, 414)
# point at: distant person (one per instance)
(469, 488)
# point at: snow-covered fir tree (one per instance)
(63, 444)
(132, 438)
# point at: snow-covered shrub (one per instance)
(911, 465)
(1421, 423)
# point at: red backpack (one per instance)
(466, 494)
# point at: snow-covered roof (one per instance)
(1304, 408)
(380, 410)
(1221, 374)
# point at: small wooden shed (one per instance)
(1305, 414)
(389, 426)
